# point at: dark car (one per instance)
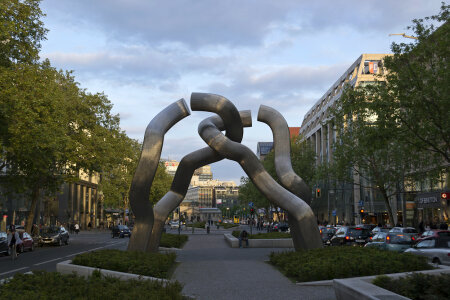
(53, 235)
(354, 236)
(327, 233)
(3, 243)
(283, 227)
(120, 231)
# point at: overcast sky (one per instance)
(147, 54)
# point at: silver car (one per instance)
(437, 249)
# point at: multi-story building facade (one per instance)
(340, 202)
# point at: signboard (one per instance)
(218, 201)
(250, 204)
(333, 213)
(428, 200)
(361, 203)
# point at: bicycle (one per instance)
(13, 252)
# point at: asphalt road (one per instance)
(46, 258)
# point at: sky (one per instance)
(146, 54)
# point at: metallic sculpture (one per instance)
(150, 222)
(234, 130)
(146, 169)
(307, 232)
(283, 167)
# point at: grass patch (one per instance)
(170, 240)
(197, 225)
(344, 262)
(53, 285)
(265, 235)
(228, 225)
(136, 262)
(417, 286)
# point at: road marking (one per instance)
(41, 263)
(13, 271)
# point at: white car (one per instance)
(174, 224)
(436, 249)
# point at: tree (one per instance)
(161, 184)
(416, 94)
(21, 32)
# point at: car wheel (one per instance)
(436, 261)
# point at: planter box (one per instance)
(66, 267)
(259, 243)
(361, 288)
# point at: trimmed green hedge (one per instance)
(197, 225)
(136, 262)
(343, 262)
(53, 285)
(265, 235)
(228, 225)
(170, 240)
(417, 286)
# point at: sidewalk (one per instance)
(210, 269)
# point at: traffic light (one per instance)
(445, 195)
(361, 211)
(252, 211)
(317, 192)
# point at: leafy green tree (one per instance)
(161, 184)
(21, 31)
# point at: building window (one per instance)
(371, 67)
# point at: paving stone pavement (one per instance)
(210, 269)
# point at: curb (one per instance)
(66, 267)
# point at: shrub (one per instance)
(170, 240)
(197, 225)
(136, 262)
(343, 262)
(228, 225)
(417, 286)
(53, 285)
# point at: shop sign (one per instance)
(428, 200)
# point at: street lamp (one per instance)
(228, 212)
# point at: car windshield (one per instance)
(50, 230)
(409, 230)
(2, 235)
(121, 227)
(400, 239)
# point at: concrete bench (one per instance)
(259, 243)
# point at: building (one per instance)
(342, 203)
(263, 148)
(76, 202)
(204, 173)
(171, 166)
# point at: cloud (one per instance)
(233, 23)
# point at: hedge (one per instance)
(265, 235)
(417, 286)
(343, 262)
(136, 262)
(53, 285)
(170, 240)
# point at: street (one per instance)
(46, 258)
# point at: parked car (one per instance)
(27, 242)
(355, 236)
(282, 227)
(53, 235)
(433, 233)
(120, 231)
(3, 242)
(391, 241)
(408, 230)
(367, 226)
(327, 233)
(437, 249)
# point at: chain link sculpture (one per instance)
(291, 196)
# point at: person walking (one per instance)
(13, 240)
(89, 226)
(77, 228)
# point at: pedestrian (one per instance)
(421, 227)
(89, 226)
(13, 237)
(77, 228)
(243, 237)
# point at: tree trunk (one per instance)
(388, 207)
(32, 213)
